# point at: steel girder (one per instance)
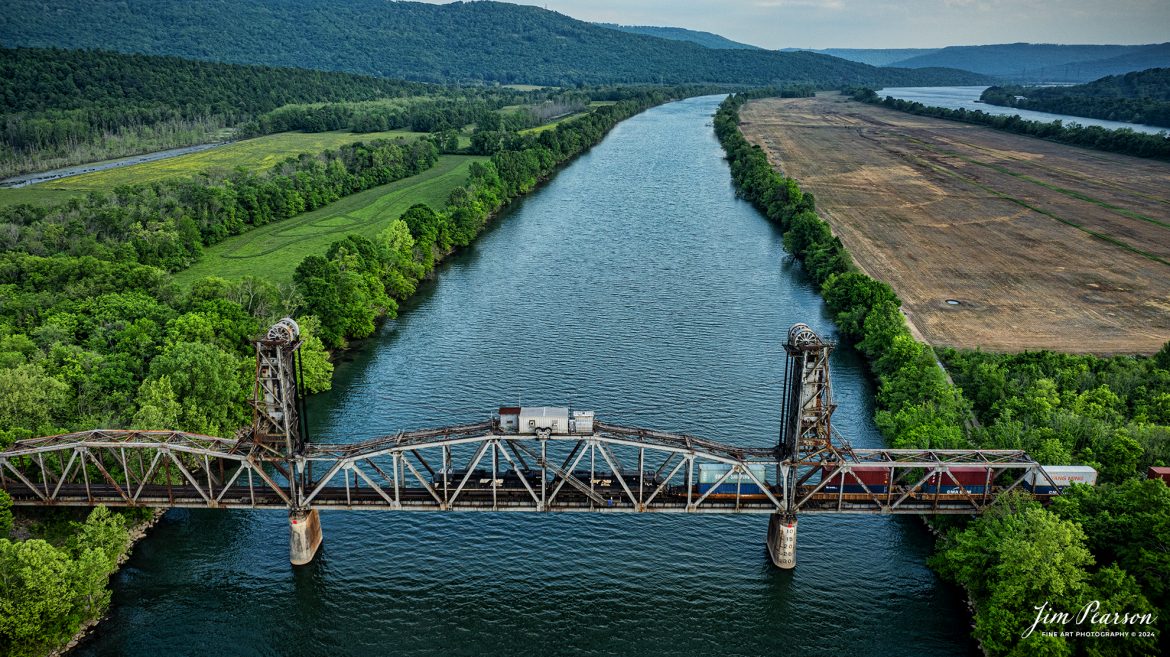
(463, 468)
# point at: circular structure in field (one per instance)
(954, 302)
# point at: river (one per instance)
(968, 98)
(635, 284)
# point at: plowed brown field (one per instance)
(1042, 245)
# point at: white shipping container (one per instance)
(1063, 475)
(582, 422)
(533, 418)
(710, 473)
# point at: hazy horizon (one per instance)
(819, 24)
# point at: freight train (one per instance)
(859, 484)
(716, 482)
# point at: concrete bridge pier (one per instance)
(782, 540)
(304, 537)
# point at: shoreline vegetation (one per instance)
(1125, 140)
(1137, 97)
(1103, 543)
(94, 331)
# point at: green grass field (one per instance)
(36, 195)
(255, 154)
(275, 250)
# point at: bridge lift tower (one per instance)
(806, 430)
(280, 432)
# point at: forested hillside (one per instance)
(705, 39)
(1139, 97)
(1045, 62)
(480, 41)
(63, 107)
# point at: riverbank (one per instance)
(867, 311)
(135, 533)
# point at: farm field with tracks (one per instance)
(992, 240)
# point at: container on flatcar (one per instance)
(581, 422)
(710, 473)
(509, 419)
(1157, 472)
(540, 418)
(1061, 475)
(875, 477)
(974, 479)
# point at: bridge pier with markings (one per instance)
(525, 459)
(304, 529)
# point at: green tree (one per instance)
(5, 514)
(316, 369)
(38, 587)
(208, 384)
(158, 408)
(1012, 560)
(31, 399)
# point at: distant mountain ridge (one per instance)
(871, 56)
(705, 39)
(1045, 62)
(459, 42)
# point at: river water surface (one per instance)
(968, 98)
(635, 284)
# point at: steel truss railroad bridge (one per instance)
(486, 466)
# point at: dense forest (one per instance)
(95, 333)
(63, 107)
(1105, 543)
(457, 42)
(1125, 140)
(1138, 97)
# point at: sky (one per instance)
(888, 23)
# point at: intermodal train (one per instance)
(716, 482)
(860, 483)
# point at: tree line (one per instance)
(92, 103)
(1137, 97)
(423, 113)
(1104, 543)
(167, 223)
(1124, 141)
